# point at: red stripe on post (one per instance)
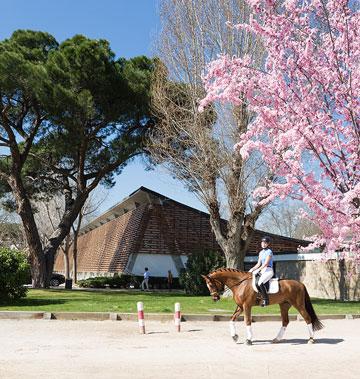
(177, 316)
(141, 321)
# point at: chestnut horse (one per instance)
(291, 293)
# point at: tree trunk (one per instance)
(75, 256)
(37, 268)
(67, 265)
(76, 235)
(343, 290)
(66, 257)
(60, 233)
(235, 241)
(24, 210)
(235, 253)
(234, 261)
(75, 263)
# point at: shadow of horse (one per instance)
(298, 341)
(157, 332)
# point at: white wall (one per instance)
(158, 264)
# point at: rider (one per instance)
(265, 266)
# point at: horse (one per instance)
(290, 293)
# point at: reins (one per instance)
(238, 283)
(217, 280)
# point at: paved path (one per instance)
(107, 349)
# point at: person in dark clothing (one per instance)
(170, 280)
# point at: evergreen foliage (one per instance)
(200, 263)
(14, 272)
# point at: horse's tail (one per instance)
(317, 325)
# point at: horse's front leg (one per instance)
(284, 309)
(237, 312)
(247, 319)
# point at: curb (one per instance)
(23, 315)
(163, 317)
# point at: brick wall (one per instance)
(106, 248)
(170, 228)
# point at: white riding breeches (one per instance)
(266, 275)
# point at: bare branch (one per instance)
(197, 148)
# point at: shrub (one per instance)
(14, 270)
(121, 281)
(96, 282)
(116, 281)
(126, 281)
(200, 263)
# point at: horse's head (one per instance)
(215, 287)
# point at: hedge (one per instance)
(14, 270)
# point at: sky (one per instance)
(130, 26)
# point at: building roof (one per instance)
(139, 197)
(145, 195)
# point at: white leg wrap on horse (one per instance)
(232, 328)
(281, 333)
(311, 330)
(249, 332)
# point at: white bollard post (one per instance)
(140, 309)
(177, 316)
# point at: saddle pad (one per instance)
(273, 286)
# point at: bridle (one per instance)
(215, 293)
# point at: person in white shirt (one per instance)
(145, 282)
(264, 265)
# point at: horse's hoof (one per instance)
(235, 337)
(275, 340)
(311, 341)
(248, 342)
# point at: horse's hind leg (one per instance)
(284, 309)
(237, 312)
(307, 318)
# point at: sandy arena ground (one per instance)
(108, 349)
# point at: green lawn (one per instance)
(124, 302)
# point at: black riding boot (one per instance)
(264, 295)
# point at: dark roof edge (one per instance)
(282, 237)
(168, 198)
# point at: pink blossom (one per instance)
(307, 104)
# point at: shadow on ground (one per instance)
(298, 341)
(32, 302)
(156, 332)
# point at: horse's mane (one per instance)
(225, 269)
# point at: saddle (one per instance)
(272, 286)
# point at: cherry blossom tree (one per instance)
(306, 102)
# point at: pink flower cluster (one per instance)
(306, 97)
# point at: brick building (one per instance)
(149, 229)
